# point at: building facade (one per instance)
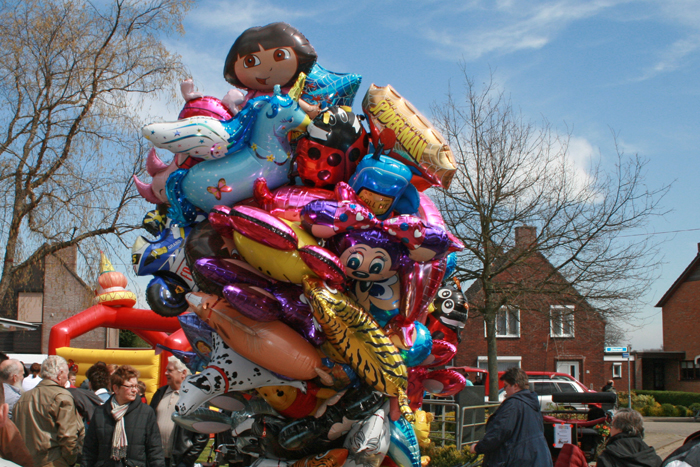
(539, 331)
(47, 294)
(677, 367)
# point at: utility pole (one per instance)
(629, 377)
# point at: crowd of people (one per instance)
(45, 420)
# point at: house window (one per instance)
(507, 322)
(690, 370)
(561, 321)
(503, 362)
(617, 370)
(30, 307)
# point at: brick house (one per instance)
(539, 331)
(677, 367)
(46, 294)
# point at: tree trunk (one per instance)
(492, 353)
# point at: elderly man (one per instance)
(47, 419)
(180, 446)
(11, 375)
(515, 432)
(625, 445)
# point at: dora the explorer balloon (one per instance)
(268, 55)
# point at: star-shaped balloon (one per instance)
(326, 88)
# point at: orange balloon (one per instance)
(272, 344)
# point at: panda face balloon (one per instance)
(450, 309)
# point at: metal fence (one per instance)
(457, 425)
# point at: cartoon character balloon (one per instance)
(266, 56)
(330, 153)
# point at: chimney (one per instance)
(525, 236)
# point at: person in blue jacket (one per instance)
(515, 432)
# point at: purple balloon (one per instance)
(296, 312)
(224, 271)
(252, 302)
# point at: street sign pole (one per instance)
(629, 381)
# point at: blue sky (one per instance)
(592, 67)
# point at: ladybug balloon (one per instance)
(335, 144)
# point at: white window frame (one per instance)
(563, 311)
(617, 370)
(510, 333)
(483, 362)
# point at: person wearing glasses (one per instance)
(515, 432)
(123, 432)
(181, 447)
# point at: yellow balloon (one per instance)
(360, 340)
(285, 266)
(421, 427)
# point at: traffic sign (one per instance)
(625, 355)
(615, 349)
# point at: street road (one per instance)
(665, 434)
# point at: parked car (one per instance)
(547, 383)
(546, 387)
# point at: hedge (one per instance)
(672, 397)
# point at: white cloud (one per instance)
(673, 57)
(684, 16)
(516, 28)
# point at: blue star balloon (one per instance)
(326, 88)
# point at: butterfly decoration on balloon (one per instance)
(296, 245)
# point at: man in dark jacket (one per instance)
(123, 431)
(181, 447)
(515, 432)
(625, 445)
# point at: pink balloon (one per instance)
(429, 212)
(220, 221)
(444, 383)
(154, 192)
(419, 284)
(415, 390)
(324, 263)
(207, 106)
(263, 227)
(286, 202)
(441, 353)
(441, 383)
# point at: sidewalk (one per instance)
(666, 434)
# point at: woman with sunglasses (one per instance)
(123, 431)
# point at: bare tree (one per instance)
(513, 173)
(73, 75)
(614, 335)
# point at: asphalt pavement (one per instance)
(665, 434)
